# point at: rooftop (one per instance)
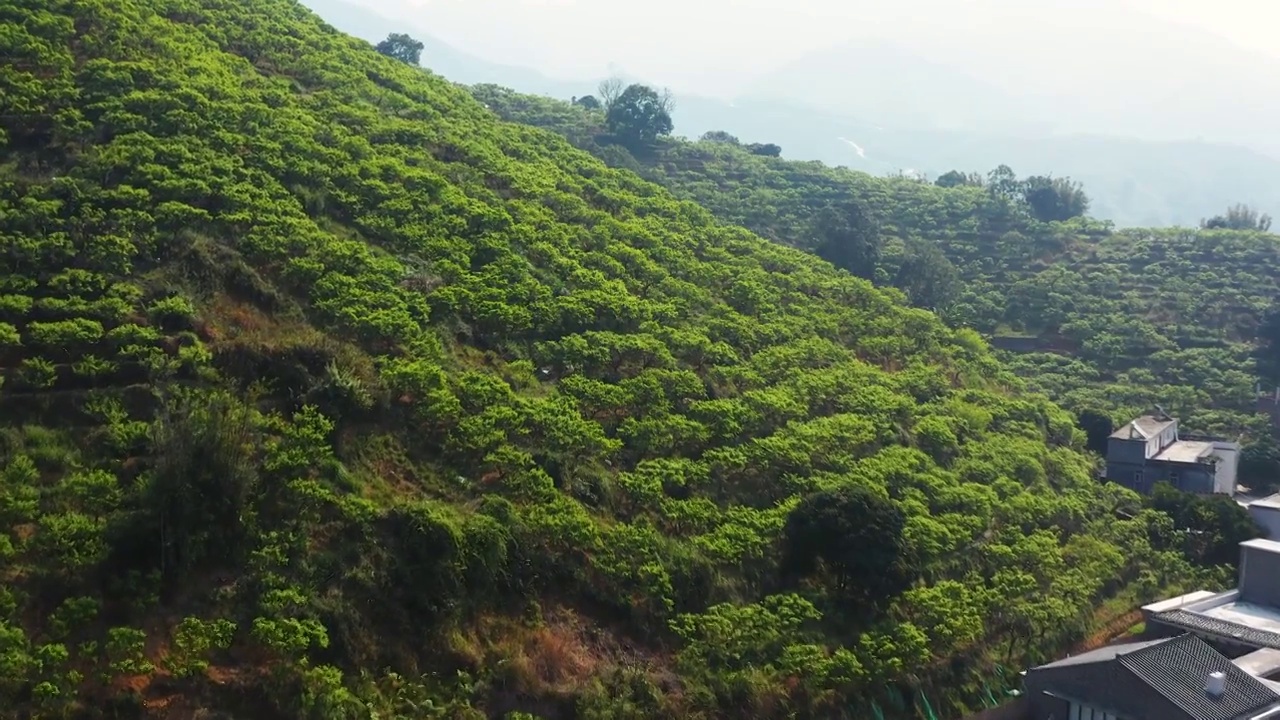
(1270, 502)
(1177, 602)
(1145, 427)
(1248, 615)
(1263, 544)
(1102, 654)
(1178, 668)
(1185, 451)
(1228, 628)
(1259, 663)
(1121, 677)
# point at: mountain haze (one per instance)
(1097, 67)
(1153, 70)
(954, 120)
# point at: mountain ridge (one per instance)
(1164, 195)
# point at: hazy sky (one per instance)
(709, 45)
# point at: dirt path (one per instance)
(1109, 632)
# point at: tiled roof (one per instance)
(1102, 654)
(1228, 630)
(1178, 669)
(1158, 680)
(1147, 426)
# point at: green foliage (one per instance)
(307, 338)
(639, 116)
(37, 373)
(173, 313)
(289, 638)
(1096, 319)
(857, 535)
(719, 136)
(1098, 427)
(126, 651)
(1212, 527)
(1259, 466)
(9, 336)
(401, 47)
(1054, 199)
(847, 238)
(193, 639)
(1238, 217)
(204, 474)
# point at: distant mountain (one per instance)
(895, 85)
(899, 128)
(1079, 66)
(440, 57)
(1131, 182)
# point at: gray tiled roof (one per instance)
(1178, 669)
(1102, 654)
(1196, 622)
(1159, 680)
(1146, 426)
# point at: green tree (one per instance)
(848, 238)
(639, 116)
(1266, 351)
(401, 47)
(1238, 217)
(856, 535)
(955, 178)
(1054, 199)
(1003, 183)
(193, 640)
(1213, 526)
(204, 475)
(765, 149)
(719, 136)
(1260, 465)
(1098, 427)
(927, 276)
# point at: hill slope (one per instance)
(328, 394)
(1117, 320)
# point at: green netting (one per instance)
(928, 708)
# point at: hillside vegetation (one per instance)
(1102, 320)
(328, 395)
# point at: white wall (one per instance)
(1268, 518)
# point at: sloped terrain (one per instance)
(1102, 320)
(327, 394)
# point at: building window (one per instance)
(1137, 478)
(1084, 712)
(1173, 478)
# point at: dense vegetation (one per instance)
(328, 395)
(1102, 320)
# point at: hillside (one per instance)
(1133, 182)
(327, 394)
(1114, 320)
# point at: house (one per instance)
(1180, 678)
(1148, 450)
(1265, 512)
(1241, 620)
